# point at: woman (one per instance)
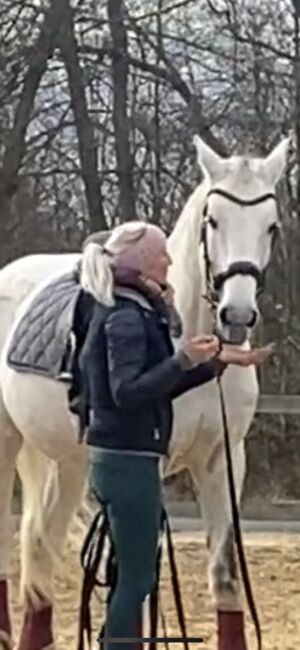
(132, 374)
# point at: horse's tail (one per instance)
(40, 483)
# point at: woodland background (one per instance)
(99, 100)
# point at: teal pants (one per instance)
(130, 488)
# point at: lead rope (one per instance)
(176, 585)
(236, 521)
(155, 601)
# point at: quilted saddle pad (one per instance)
(40, 339)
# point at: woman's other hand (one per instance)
(201, 349)
(234, 355)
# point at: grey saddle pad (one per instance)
(40, 339)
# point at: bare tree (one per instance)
(15, 143)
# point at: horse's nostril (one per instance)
(224, 316)
(253, 319)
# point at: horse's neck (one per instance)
(187, 270)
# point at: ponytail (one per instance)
(96, 274)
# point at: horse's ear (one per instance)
(210, 162)
(275, 163)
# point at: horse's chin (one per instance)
(234, 334)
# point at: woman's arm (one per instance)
(199, 375)
(131, 385)
(229, 354)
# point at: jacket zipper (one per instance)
(156, 433)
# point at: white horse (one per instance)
(36, 430)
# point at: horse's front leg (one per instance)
(212, 485)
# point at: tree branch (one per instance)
(230, 25)
(196, 117)
(171, 76)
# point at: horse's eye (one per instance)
(212, 222)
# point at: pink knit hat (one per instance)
(133, 243)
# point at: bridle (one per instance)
(214, 283)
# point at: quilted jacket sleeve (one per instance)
(130, 383)
(197, 376)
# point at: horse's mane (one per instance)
(183, 244)
(190, 218)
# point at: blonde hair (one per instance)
(97, 260)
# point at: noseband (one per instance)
(215, 283)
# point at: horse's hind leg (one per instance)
(10, 443)
(52, 494)
(223, 579)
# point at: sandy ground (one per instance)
(274, 561)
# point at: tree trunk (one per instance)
(297, 93)
(120, 117)
(85, 133)
(15, 144)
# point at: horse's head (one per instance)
(240, 222)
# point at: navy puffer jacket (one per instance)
(132, 376)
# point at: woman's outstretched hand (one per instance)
(234, 355)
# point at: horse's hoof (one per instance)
(231, 631)
(37, 629)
